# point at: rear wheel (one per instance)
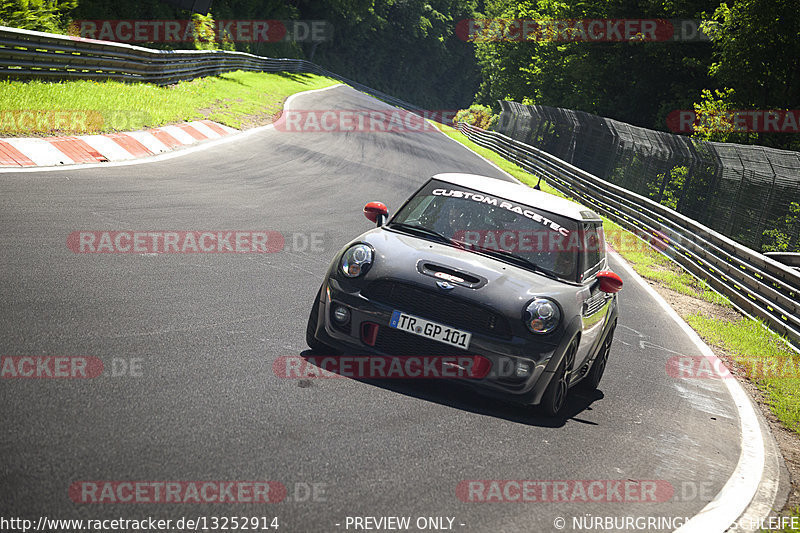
(311, 328)
(592, 380)
(555, 395)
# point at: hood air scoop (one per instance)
(451, 275)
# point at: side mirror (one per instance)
(609, 282)
(376, 212)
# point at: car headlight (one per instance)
(356, 260)
(542, 315)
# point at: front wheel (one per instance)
(592, 380)
(555, 395)
(311, 328)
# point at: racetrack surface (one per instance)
(208, 327)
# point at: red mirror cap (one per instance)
(609, 282)
(373, 209)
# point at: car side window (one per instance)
(594, 249)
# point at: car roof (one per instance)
(520, 193)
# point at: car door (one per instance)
(595, 303)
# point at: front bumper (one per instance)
(521, 368)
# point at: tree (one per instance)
(407, 48)
(715, 121)
(636, 82)
(756, 46)
(785, 237)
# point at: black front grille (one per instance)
(395, 342)
(439, 307)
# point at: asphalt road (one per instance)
(204, 330)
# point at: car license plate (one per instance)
(431, 330)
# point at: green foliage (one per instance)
(755, 43)
(785, 236)
(636, 82)
(39, 15)
(668, 192)
(755, 46)
(477, 115)
(714, 120)
(221, 10)
(204, 35)
(407, 48)
(258, 10)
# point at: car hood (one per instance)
(504, 287)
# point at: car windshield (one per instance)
(482, 222)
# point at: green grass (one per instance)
(745, 339)
(237, 99)
(751, 345)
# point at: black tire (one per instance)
(592, 379)
(555, 395)
(311, 328)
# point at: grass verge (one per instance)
(237, 99)
(763, 358)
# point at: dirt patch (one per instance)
(260, 119)
(788, 441)
(688, 305)
(659, 268)
(246, 122)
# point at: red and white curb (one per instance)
(79, 149)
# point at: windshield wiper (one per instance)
(420, 230)
(505, 254)
(493, 252)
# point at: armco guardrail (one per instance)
(791, 259)
(754, 283)
(28, 54)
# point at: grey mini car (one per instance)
(472, 265)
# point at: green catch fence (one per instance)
(738, 190)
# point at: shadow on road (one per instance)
(460, 396)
